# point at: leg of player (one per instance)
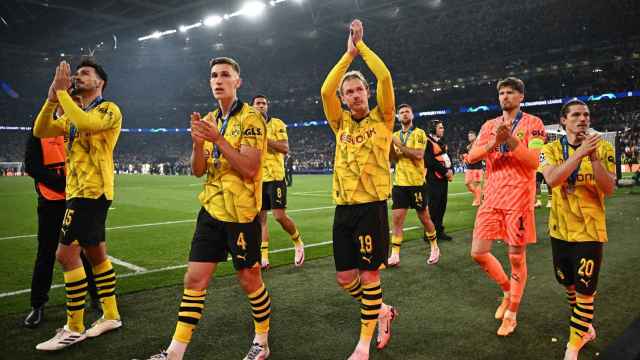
(470, 186)
(264, 246)
(196, 281)
(372, 311)
(539, 179)
(290, 227)
(477, 195)
(581, 328)
(260, 301)
(105, 279)
(481, 253)
(397, 219)
(518, 261)
(430, 236)
(75, 280)
(586, 264)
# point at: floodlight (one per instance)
(253, 9)
(212, 20)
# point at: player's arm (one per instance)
(329, 91)
(281, 146)
(384, 88)
(413, 153)
(484, 144)
(246, 160)
(604, 175)
(45, 125)
(281, 143)
(385, 96)
(556, 173)
(108, 118)
(198, 158)
(393, 155)
(528, 153)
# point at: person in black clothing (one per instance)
(439, 173)
(44, 162)
(288, 170)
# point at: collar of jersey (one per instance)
(234, 111)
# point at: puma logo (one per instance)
(243, 257)
(366, 259)
(585, 282)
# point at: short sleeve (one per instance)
(254, 131)
(281, 132)
(419, 140)
(547, 156)
(537, 135)
(608, 157)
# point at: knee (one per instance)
(280, 216)
(194, 281)
(368, 277)
(250, 279)
(479, 257)
(63, 257)
(345, 278)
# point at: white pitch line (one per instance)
(310, 192)
(190, 220)
(174, 267)
(313, 195)
(128, 265)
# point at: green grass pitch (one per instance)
(446, 311)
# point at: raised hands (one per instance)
(61, 80)
(589, 145)
(503, 133)
(203, 130)
(356, 33)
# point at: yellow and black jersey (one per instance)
(91, 136)
(410, 172)
(361, 166)
(273, 165)
(227, 196)
(578, 211)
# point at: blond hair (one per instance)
(353, 74)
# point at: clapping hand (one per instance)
(61, 80)
(203, 130)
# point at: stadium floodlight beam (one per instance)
(185, 28)
(212, 20)
(157, 35)
(252, 9)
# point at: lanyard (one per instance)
(223, 127)
(406, 137)
(565, 154)
(73, 130)
(514, 125)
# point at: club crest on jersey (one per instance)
(358, 138)
(236, 131)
